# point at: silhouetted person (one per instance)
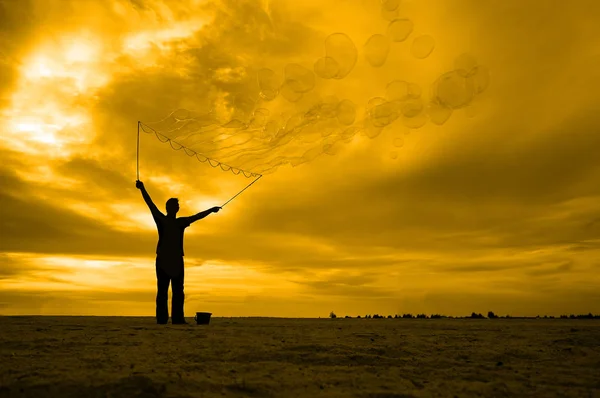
(169, 256)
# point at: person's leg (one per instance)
(178, 297)
(162, 295)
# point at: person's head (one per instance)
(172, 206)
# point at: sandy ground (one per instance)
(245, 357)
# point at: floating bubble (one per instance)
(422, 46)
(400, 29)
(399, 142)
(438, 112)
(464, 64)
(289, 94)
(332, 145)
(385, 114)
(480, 78)
(373, 102)
(397, 90)
(271, 128)
(394, 154)
(341, 48)
(298, 78)
(400, 90)
(411, 108)
(390, 5)
(346, 112)
(414, 90)
(259, 118)
(348, 134)
(376, 50)
(453, 90)
(268, 84)
(326, 68)
(370, 130)
(329, 107)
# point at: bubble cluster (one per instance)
(340, 57)
(280, 123)
(457, 89)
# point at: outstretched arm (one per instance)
(202, 214)
(153, 209)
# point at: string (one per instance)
(223, 166)
(247, 186)
(138, 151)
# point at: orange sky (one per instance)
(496, 208)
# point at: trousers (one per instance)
(163, 279)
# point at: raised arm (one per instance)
(202, 214)
(153, 209)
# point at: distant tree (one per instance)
(358, 317)
(396, 316)
(389, 317)
(422, 316)
(407, 316)
(491, 315)
(347, 316)
(477, 316)
(332, 315)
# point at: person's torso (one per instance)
(170, 237)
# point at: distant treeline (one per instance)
(490, 315)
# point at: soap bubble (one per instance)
(385, 113)
(298, 78)
(400, 29)
(399, 142)
(400, 90)
(342, 50)
(326, 68)
(453, 90)
(376, 50)
(390, 5)
(465, 64)
(438, 112)
(411, 108)
(394, 154)
(289, 94)
(260, 118)
(268, 84)
(346, 112)
(415, 122)
(480, 78)
(422, 46)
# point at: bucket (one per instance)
(202, 318)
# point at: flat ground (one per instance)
(247, 357)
